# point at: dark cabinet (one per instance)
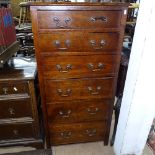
(19, 122)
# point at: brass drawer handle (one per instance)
(100, 46)
(58, 44)
(5, 90)
(91, 132)
(92, 92)
(100, 67)
(60, 69)
(65, 114)
(92, 111)
(102, 18)
(11, 111)
(66, 134)
(58, 22)
(15, 132)
(15, 89)
(62, 94)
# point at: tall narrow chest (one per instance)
(78, 49)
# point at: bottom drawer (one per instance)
(78, 132)
(16, 131)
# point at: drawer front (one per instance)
(67, 112)
(78, 132)
(78, 42)
(9, 88)
(12, 108)
(78, 19)
(79, 66)
(16, 131)
(61, 90)
(62, 113)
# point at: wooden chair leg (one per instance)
(24, 15)
(20, 17)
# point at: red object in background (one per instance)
(2, 41)
(7, 27)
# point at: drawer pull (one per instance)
(59, 25)
(15, 89)
(58, 44)
(100, 66)
(65, 114)
(92, 92)
(60, 69)
(15, 132)
(101, 44)
(92, 111)
(62, 94)
(66, 134)
(11, 111)
(5, 91)
(91, 132)
(102, 18)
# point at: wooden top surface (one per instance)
(78, 4)
(18, 69)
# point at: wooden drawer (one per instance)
(61, 90)
(77, 132)
(79, 66)
(78, 19)
(9, 88)
(65, 41)
(16, 131)
(67, 112)
(13, 108)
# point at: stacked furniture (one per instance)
(78, 49)
(19, 123)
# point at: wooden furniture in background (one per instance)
(7, 53)
(78, 49)
(24, 10)
(19, 124)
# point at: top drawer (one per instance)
(10, 88)
(78, 19)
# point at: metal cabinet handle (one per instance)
(92, 92)
(5, 90)
(62, 94)
(92, 111)
(15, 89)
(102, 18)
(58, 44)
(15, 132)
(100, 66)
(100, 46)
(91, 132)
(66, 134)
(59, 23)
(65, 114)
(60, 69)
(11, 111)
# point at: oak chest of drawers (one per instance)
(78, 54)
(19, 123)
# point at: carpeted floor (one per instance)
(151, 137)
